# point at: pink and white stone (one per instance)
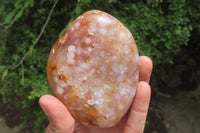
(93, 69)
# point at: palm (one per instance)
(132, 122)
(116, 129)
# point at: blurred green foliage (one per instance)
(159, 28)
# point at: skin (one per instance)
(61, 121)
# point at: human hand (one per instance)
(61, 120)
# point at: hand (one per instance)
(61, 120)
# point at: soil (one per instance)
(5, 129)
(10, 117)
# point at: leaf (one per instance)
(112, 1)
(149, 2)
(10, 16)
(42, 2)
(85, 1)
(5, 73)
(19, 14)
(29, 3)
(64, 29)
(78, 9)
(134, 7)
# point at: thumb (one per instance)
(60, 120)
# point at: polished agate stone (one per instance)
(93, 69)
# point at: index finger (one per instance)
(145, 68)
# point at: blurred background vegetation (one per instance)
(163, 29)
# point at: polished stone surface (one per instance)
(93, 69)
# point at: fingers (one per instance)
(60, 119)
(139, 109)
(145, 68)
